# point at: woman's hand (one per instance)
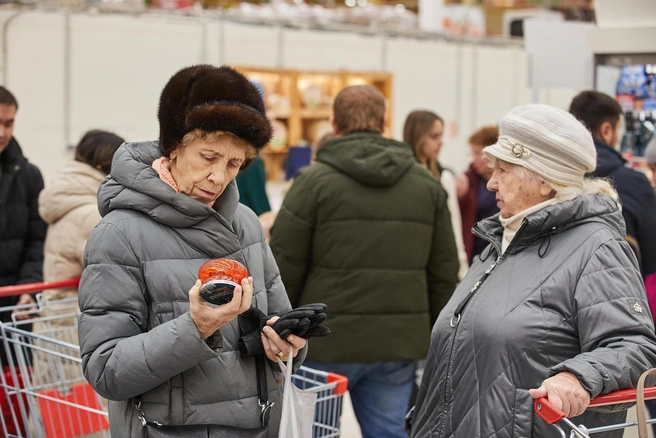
(274, 345)
(209, 319)
(565, 392)
(462, 185)
(24, 300)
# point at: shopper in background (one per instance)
(423, 130)
(251, 183)
(475, 200)
(168, 207)
(252, 187)
(554, 308)
(21, 229)
(650, 157)
(601, 114)
(367, 231)
(69, 205)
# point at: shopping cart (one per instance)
(330, 389)
(552, 415)
(46, 394)
(42, 386)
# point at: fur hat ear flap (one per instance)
(211, 99)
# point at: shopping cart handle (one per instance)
(547, 411)
(623, 396)
(8, 291)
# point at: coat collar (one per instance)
(555, 219)
(12, 154)
(134, 184)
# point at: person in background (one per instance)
(423, 130)
(69, 206)
(650, 281)
(601, 114)
(251, 183)
(252, 187)
(553, 308)
(22, 231)
(650, 158)
(475, 200)
(367, 231)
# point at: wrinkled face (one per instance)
(514, 191)
(479, 162)
(203, 170)
(432, 142)
(7, 115)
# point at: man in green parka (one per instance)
(366, 230)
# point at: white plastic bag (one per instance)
(297, 406)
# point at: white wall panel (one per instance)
(35, 74)
(316, 50)
(250, 45)
(119, 66)
(426, 77)
(496, 84)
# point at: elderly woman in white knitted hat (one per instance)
(554, 307)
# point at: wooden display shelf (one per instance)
(299, 103)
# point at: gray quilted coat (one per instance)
(137, 337)
(566, 296)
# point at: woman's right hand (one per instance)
(462, 185)
(209, 319)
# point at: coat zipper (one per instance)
(457, 314)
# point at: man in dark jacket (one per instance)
(22, 231)
(367, 230)
(601, 114)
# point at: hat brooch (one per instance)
(519, 150)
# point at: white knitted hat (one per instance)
(548, 141)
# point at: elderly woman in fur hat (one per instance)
(148, 342)
(554, 307)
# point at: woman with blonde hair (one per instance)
(423, 130)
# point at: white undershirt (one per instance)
(512, 224)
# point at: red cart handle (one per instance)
(549, 413)
(8, 291)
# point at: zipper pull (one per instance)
(491, 268)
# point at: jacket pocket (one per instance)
(523, 416)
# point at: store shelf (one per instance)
(299, 103)
(324, 113)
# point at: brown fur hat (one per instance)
(211, 99)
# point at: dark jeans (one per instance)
(379, 392)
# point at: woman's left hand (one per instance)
(277, 348)
(565, 392)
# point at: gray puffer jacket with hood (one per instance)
(137, 337)
(565, 296)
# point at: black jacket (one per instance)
(638, 204)
(22, 231)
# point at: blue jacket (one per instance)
(638, 204)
